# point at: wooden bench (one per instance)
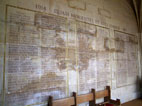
(106, 94)
(91, 98)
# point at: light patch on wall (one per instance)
(104, 12)
(77, 4)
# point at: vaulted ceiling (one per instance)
(137, 7)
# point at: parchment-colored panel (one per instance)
(86, 35)
(72, 60)
(126, 56)
(103, 69)
(35, 67)
(103, 58)
(23, 69)
(50, 22)
(88, 78)
(93, 57)
(53, 53)
(52, 38)
(51, 61)
(101, 44)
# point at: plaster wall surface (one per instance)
(55, 47)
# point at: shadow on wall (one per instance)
(139, 86)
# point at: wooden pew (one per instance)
(85, 98)
(91, 98)
(106, 94)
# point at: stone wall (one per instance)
(55, 47)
